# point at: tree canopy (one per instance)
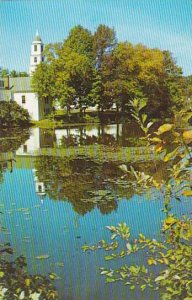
(13, 73)
(12, 114)
(94, 69)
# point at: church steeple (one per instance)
(36, 53)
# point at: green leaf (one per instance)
(187, 135)
(129, 247)
(144, 117)
(53, 276)
(170, 155)
(159, 278)
(164, 128)
(109, 280)
(109, 257)
(143, 287)
(42, 257)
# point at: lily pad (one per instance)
(59, 264)
(45, 256)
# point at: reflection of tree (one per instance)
(1, 173)
(80, 180)
(9, 142)
(74, 180)
(73, 140)
(107, 207)
(130, 136)
(12, 141)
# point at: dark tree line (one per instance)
(6, 72)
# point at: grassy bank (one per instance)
(61, 119)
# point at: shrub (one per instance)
(12, 114)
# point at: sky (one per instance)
(166, 24)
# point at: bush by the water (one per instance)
(12, 114)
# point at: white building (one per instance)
(20, 90)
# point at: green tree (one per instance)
(104, 40)
(119, 77)
(12, 114)
(174, 82)
(43, 81)
(137, 71)
(80, 40)
(4, 73)
(97, 91)
(94, 69)
(74, 78)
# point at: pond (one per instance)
(60, 188)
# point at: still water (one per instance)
(59, 189)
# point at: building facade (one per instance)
(20, 90)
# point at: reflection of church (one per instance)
(39, 187)
(39, 138)
(7, 164)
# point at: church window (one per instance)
(41, 48)
(35, 59)
(39, 188)
(35, 47)
(25, 148)
(23, 99)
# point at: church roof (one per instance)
(20, 84)
(37, 37)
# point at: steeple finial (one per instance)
(37, 37)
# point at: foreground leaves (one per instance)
(174, 254)
(167, 265)
(17, 283)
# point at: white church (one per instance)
(19, 89)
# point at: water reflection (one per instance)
(54, 185)
(87, 184)
(77, 181)
(9, 143)
(86, 181)
(38, 139)
(111, 135)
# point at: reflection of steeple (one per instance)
(39, 187)
(7, 164)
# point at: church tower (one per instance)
(36, 53)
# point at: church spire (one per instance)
(36, 53)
